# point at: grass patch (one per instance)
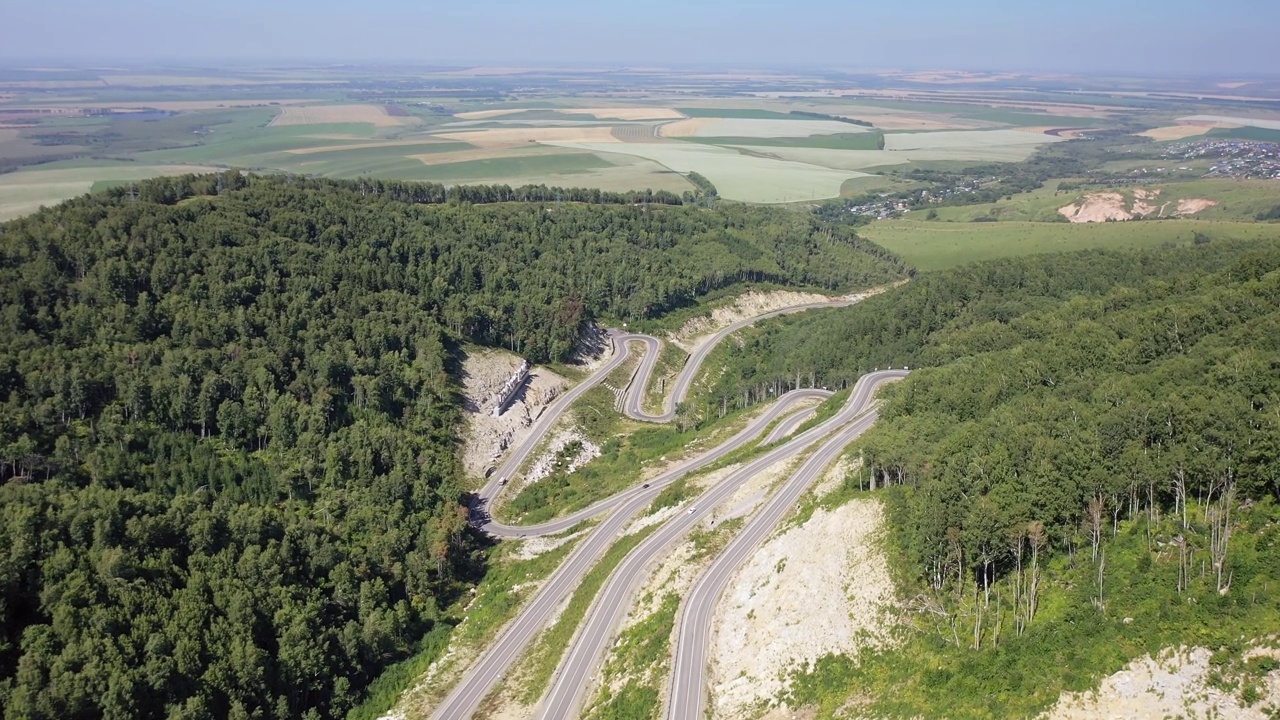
(710, 543)
(670, 361)
(671, 496)
(1244, 133)
(641, 655)
(931, 245)
(545, 655)
(621, 464)
(383, 693)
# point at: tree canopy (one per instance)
(228, 415)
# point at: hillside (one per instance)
(1082, 469)
(229, 417)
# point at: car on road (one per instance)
(646, 485)
(693, 510)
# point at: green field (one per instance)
(932, 245)
(1245, 133)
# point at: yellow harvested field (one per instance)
(951, 77)
(363, 145)
(1176, 132)
(625, 113)
(326, 114)
(518, 137)
(1054, 131)
(737, 176)
(484, 114)
(757, 128)
(686, 128)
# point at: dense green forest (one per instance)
(228, 485)
(1112, 415)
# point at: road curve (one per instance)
(787, 425)
(517, 634)
(632, 402)
(575, 671)
(632, 405)
(687, 698)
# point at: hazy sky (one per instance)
(1114, 36)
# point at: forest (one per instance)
(1109, 413)
(229, 413)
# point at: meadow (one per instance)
(933, 245)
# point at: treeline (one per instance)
(228, 414)
(836, 118)
(706, 190)
(170, 190)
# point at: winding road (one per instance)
(575, 671)
(613, 601)
(687, 697)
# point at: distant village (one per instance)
(1244, 159)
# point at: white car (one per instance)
(693, 510)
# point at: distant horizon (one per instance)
(1171, 38)
(56, 64)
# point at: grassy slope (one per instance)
(1072, 643)
(1237, 200)
(933, 245)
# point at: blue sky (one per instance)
(1115, 36)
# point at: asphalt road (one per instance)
(687, 697)
(680, 390)
(576, 672)
(787, 425)
(514, 638)
(517, 635)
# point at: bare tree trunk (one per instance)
(1220, 530)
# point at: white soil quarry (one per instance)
(1113, 206)
(822, 587)
(488, 437)
(1174, 684)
